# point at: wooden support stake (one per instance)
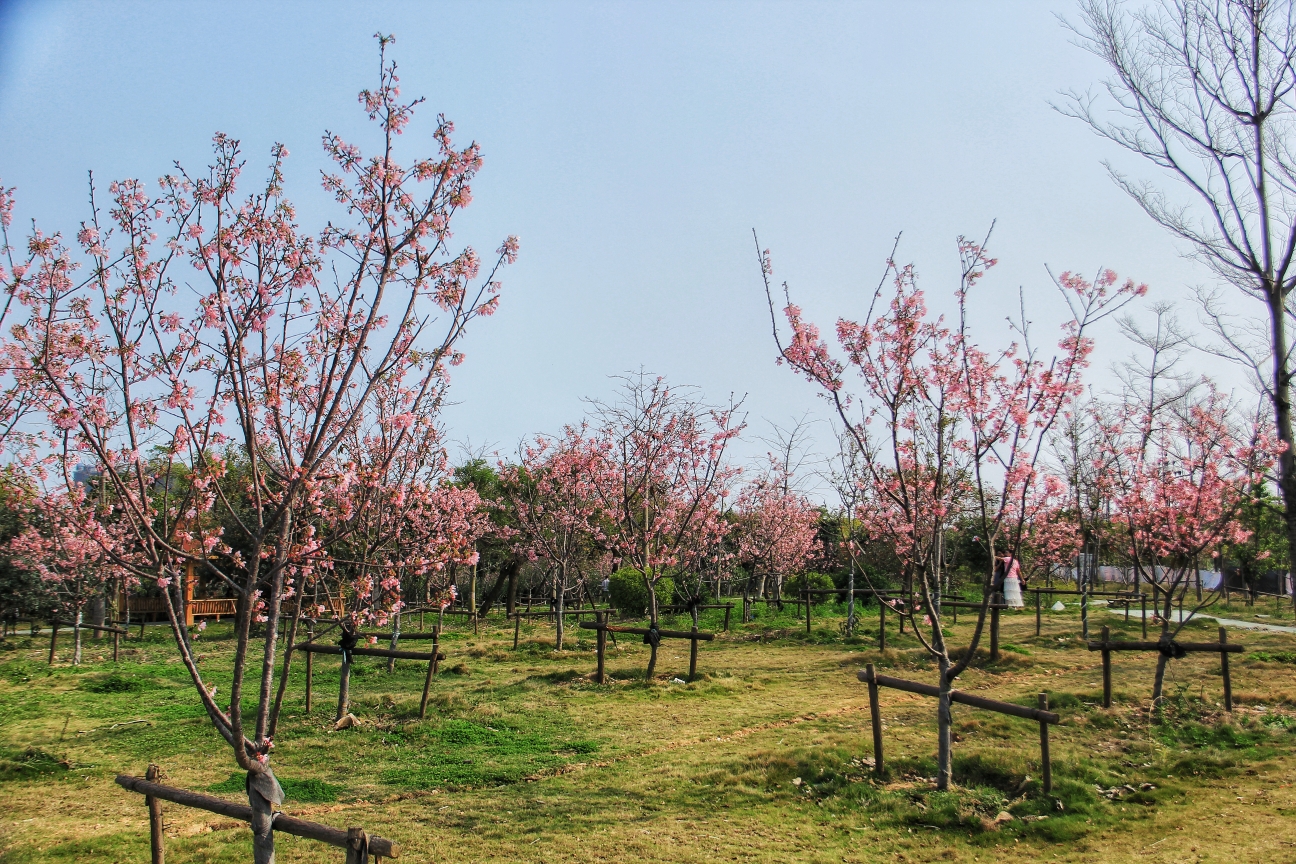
(1224, 665)
(1143, 612)
(432, 669)
(157, 840)
(1038, 620)
(116, 645)
(875, 714)
(357, 846)
(809, 599)
(693, 654)
(517, 628)
(53, 641)
(882, 606)
(994, 635)
(728, 609)
(601, 641)
(1046, 764)
(1106, 664)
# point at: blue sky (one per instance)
(632, 147)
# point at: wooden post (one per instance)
(809, 598)
(601, 641)
(994, 635)
(116, 645)
(728, 609)
(53, 640)
(1046, 765)
(1038, 620)
(1106, 663)
(875, 714)
(432, 668)
(1143, 612)
(357, 846)
(310, 664)
(517, 627)
(881, 624)
(693, 653)
(1224, 665)
(190, 579)
(157, 839)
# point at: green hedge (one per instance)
(630, 594)
(793, 586)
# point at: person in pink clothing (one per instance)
(1012, 586)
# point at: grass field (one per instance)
(764, 758)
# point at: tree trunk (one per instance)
(1158, 683)
(652, 623)
(560, 592)
(944, 729)
(76, 639)
(344, 686)
(395, 640)
(98, 607)
(513, 568)
(1282, 381)
(263, 848)
(507, 577)
(850, 600)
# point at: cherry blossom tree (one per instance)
(777, 530)
(66, 547)
(663, 507)
(200, 324)
(557, 489)
(940, 421)
(1179, 485)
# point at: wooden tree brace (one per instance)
(312, 648)
(1041, 714)
(959, 696)
(1187, 647)
(643, 631)
(1223, 647)
(282, 822)
(602, 628)
(98, 628)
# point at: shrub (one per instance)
(630, 594)
(814, 581)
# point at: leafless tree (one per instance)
(1206, 91)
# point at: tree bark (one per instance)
(98, 612)
(76, 639)
(507, 577)
(395, 640)
(513, 568)
(1282, 381)
(263, 848)
(344, 686)
(944, 729)
(1158, 683)
(560, 593)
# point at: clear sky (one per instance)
(632, 147)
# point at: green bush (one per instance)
(815, 581)
(630, 594)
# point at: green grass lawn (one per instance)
(765, 758)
